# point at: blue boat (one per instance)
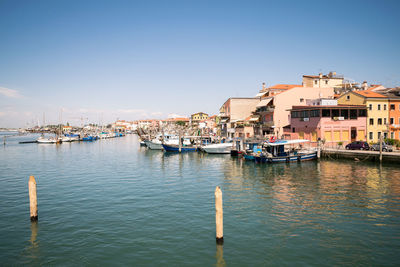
(88, 138)
(274, 152)
(175, 148)
(248, 157)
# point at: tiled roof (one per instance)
(284, 86)
(369, 93)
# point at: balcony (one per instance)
(223, 115)
(268, 124)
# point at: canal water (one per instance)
(113, 202)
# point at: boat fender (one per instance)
(272, 139)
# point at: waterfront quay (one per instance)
(360, 155)
(113, 201)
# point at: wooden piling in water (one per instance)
(219, 216)
(33, 199)
(380, 148)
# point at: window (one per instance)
(362, 113)
(326, 81)
(314, 113)
(353, 114)
(391, 120)
(335, 113)
(371, 121)
(293, 130)
(315, 82)
(392, 135)
(379, 135)
(392, 107)
(301, 99)
(304, 114)
(348, 97)
(326, 113)
(344, 113)
(370, 106)
(384, 135)
(384, 121)
(379, 106)
(384, 107)
(371, 135)
(379, 121)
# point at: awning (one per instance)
(264, 102)
(254, 119)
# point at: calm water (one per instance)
(111, 202)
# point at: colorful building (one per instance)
(329, 123)
(394, 113)
(320, 81)
(274, 110)
(233, 112)
(199, 116)
(377, 111)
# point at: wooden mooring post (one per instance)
(380, 148)
(219, 216)
(33, 199)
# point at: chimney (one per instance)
(320, 75)
(364, 85)
(263, 86)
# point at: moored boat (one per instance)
(274, 152)
(222, 148)
(48, 140)
(175, 148)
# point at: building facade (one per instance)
(274, 112)
(234, 111)
(320, 81)
(377, 111)
(330, 123)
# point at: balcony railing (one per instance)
(268, 124)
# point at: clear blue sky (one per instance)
(150, 59)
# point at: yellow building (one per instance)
(322, 81)
(199, 116)
(377, 111)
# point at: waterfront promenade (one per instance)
(387, 157)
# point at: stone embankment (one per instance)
(360, 155)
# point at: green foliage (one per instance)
(180, 123)
(393, 142)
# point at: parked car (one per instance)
(358, 145)
(385, 147)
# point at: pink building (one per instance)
(273, 109)
(332, 124)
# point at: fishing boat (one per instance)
(88, 138)
(175, 148)
(222, 148)
(70, 137)
(154, 144)
(275, 151)
(157, 142)
(48, 140)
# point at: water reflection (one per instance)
(219, 255)
(33, 248)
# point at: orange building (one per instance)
(394, 114)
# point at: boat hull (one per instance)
(174, 148)
(302, 157)
(153, 145)
(218, 148)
